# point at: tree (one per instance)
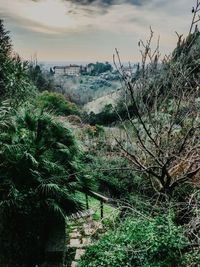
(57, 103)
(5, 42)
(98, 68)
(40, 78)
(39, 176)
(163, 131)
(14, 81)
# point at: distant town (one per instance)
(70, 70)
(90, 69)
(77, 70)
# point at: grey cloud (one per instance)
(106, 3)
(98, 7)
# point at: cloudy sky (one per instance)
(89, 30)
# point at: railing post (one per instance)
(101, 206)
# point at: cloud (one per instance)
(96, 26)
(105, 3)
(61, 16)
(110, 2)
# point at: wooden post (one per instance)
(101, 206)
(87, 203)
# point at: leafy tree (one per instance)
(43, 81)
(39, 176)
(98, 68)
(14, 81)
(57, 103)
(5, 42)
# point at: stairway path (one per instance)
(82, 231)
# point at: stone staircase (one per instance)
(82, 231)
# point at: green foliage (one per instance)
(139, 242)
(105, 117)
(110, 115)
(94, 131)
(5, 42)
(40, 174)
(57, 103)
(43, 81)
(111, 179)
(14, 81)
(192, 258)
(5, 110)
(98, 68)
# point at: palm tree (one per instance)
(39, 173)
(4, 114)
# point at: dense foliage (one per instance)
(56, 103)
(97, 68)
(39, 159)
(14, 80)
(148, 162)
(144, 242)
(42, 79)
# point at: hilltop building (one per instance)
(71, 70)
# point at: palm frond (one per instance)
(49, 189)
(54, 208)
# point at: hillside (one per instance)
(98, 104)
(101, 168)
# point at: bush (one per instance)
(57, 103)
(105, 117)
(138, 242)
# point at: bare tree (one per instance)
(164, 131)
(196, 17)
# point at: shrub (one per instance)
(138, 242)
(57, 103)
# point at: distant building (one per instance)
(71, 70)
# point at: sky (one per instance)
(90, 30)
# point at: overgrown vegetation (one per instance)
(159, 141)
(159, 244)
(40, 163)
(146, 158)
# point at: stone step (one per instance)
(79, 253)
(82, 228)
(88, 231)
(74, 234)
(74, 264)
(74, 243)
(86, 241)
(80, 243)
(82, 214)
